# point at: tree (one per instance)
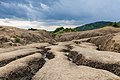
(116, 24)
(32, 29)
(58, 29)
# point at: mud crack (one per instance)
(79, 59)
(46, 54)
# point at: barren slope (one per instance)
(108, 42)
(87, 34)
(11, 36)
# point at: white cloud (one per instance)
(15, 23)
(44, 7)
(32, 24)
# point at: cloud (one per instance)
(46, 25)
(20, 10)
(86, 10)
(60, 12)
(44, 7)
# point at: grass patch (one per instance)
(17, 40)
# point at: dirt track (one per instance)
(74, 60)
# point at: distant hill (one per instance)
(91, 26)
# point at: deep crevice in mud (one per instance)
(26, 73)
(33, 66)
(38, 65)
(79, 59)
(3, 63)
(46, 54)
(53, 43)
(77, 42)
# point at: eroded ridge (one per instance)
(59, 68)
(80, 59)
(7, 57)
(22, 69)
(56, 62)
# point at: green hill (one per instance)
(91, 26)
(94, 25)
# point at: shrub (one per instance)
(17, 40)
(32, 29)
(58, 29)
(115, 24)
(61, 30)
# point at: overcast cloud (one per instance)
(49, 13)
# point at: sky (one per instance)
(50, 14)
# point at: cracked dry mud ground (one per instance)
(65, 61)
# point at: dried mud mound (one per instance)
(108, 42)
(63, 61)
(10, 36)
(86, 34)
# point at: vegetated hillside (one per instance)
(11, 36)
(91, 26)
(61, 30)
(87, 34)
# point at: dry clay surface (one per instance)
(87, 34)
(11, 36)
(106, 39)
(72, 60)
(109, 42)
